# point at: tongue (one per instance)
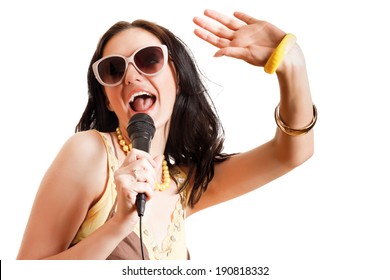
(141, 104)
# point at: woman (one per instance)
(85, 206)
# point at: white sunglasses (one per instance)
(110, 70)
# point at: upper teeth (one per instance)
(139, 94)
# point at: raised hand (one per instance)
(242, 37)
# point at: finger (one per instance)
(227, 52)
(130, 193)
(138, 175)
(217, 30)
(129, 182)
(145, 188)
(245, 18)
(239, 53)
(159, 159)
(142, 175)
(136, 154)
(212, 39)
(229, 22)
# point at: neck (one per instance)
(159, 141)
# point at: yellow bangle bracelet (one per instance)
(278, 54)
(291, 131)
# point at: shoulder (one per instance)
(85, 147)
(86, 141)
(82, 161)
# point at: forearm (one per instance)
(296, 108)
(98, 245)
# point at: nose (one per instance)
(132, 74)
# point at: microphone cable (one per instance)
(140, 205)
(140, 238)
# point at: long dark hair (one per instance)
(196, 135)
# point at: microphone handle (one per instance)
(140, 204)
(142, 143)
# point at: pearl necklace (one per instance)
(166, 179)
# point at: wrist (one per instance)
(123, 225)
(279, 53)
(293, 62)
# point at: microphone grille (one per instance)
(141, 122)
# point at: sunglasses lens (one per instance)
(149, 60)
(112, 69)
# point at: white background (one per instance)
(327, 219)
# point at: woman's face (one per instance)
(153, 95)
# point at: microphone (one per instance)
(141, 132)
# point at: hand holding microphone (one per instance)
(135, 179)
(141, 132)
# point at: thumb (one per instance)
(234, 52)
(159, 159)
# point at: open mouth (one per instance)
(142, 101)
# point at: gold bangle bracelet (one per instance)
(279, 52)
(291, 131)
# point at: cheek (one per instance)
(169, 88)
(171, 94)
(174, 79)
(112, 95)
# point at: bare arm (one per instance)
(253, 40)
(74, 181)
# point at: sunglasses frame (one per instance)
(128, 60)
